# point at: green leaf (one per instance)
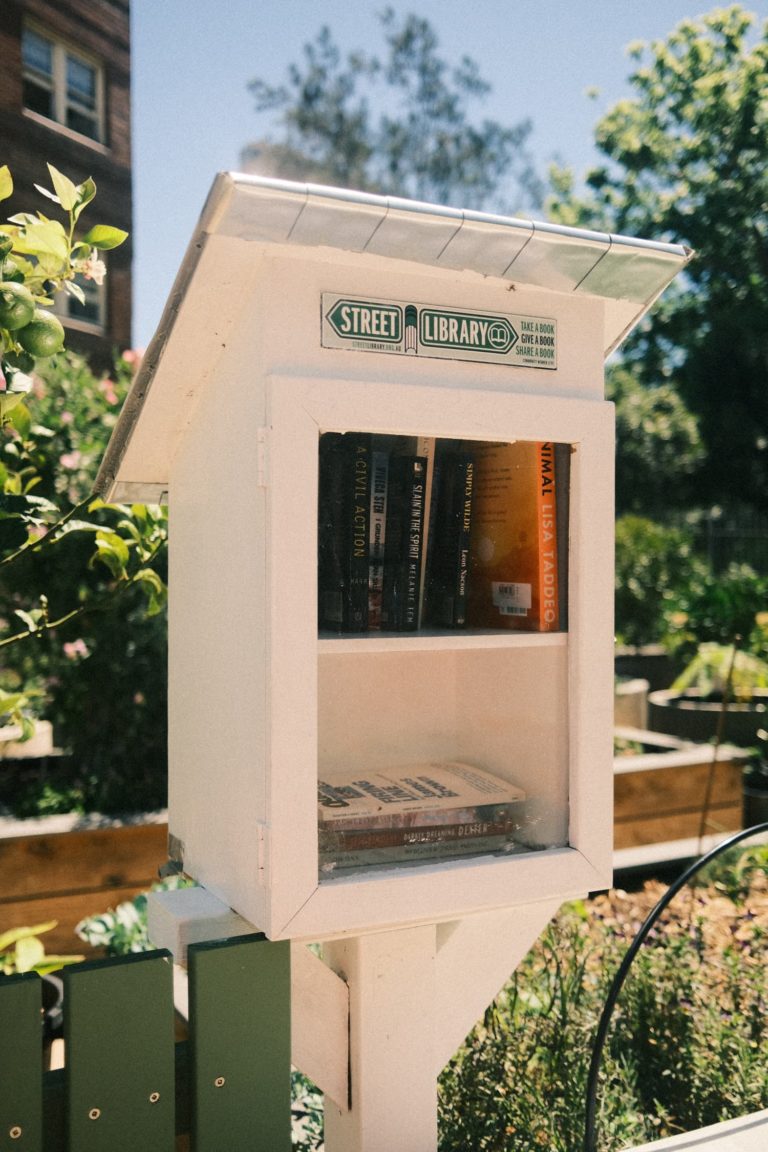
(10, 701)
(75, 290)
(31, 619)
(6, 182)
(66, 191)
(8, 939)
(21, 420)
(112, 551)
(156, 590)
(8, 401)
(14, 505)
(29, 952)
(47, 192)
(85, 193)
(104, 237)
(44, 237)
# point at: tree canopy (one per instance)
(685, 160)
(423, 143)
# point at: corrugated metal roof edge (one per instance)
(219, 199)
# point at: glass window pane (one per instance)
(83, 123)
(37, 52)
(90, 309)
(81, 83)
(38, 99)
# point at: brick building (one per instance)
(65, 86)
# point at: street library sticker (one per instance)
(410, 329)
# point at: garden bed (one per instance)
(660, 783)
(66, 867)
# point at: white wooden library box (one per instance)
(299, 311)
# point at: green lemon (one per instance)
(17, 305)
(43, 336)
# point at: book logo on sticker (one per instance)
(407, 328)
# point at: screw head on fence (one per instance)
(15, 1132)
(154, 1097)
(94, 1113)
(219, 1082)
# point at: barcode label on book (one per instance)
(512, 599)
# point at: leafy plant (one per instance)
(123, 930)
(656, 567)
(39, 256)
(15, 710)
(717, 608)
(21, 950)
(66, 556)
(714, 665)
(683, 159)
(689, 1042)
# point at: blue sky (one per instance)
(192, 111)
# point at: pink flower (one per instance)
(107, 389)
(70, 459)
(75, 649)
(133, 355)
(93, 269)
(66, 417)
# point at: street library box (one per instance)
(361, 454)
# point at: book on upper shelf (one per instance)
(344, 485)
(404, 543)
(513, 580)
(447, 573)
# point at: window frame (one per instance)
(64, 303)
(56, 83)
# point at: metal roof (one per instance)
(626, 274)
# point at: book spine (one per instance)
(448, 570)
(331, 580)
(562, 500)
(549, 613)
(358, 490)
(404, 544)
(356, 839)
(426, 448)
(377, 536)
(507, 811)
(514, 564)
(404, 853)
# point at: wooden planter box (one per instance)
(67, 867)
(658, 794)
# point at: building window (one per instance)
(90, 314)
(62, 85)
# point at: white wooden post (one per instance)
(391, 978)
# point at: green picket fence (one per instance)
(127, 1083)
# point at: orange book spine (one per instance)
(548, 615)
(513, 574)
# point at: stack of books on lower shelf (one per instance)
(419, 812)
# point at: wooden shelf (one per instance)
(428, 641)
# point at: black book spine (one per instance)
(448, 570)
(331, 580)
(357, 554)
(404, 543)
